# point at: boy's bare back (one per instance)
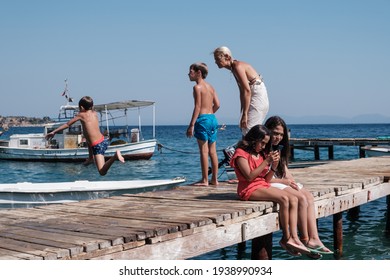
(205, 94)
(90, 122)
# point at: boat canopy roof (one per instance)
(123, 105)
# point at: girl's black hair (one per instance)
(271, 123)
(254, 135)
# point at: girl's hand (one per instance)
(273, 158)
(291, 183)
(269, 158)
(294, 186)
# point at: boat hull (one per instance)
(376, 151)
(22, 195)
(130, 151)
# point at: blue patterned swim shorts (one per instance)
(100, 148)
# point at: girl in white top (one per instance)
(284, 180)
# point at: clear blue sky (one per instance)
(318, 58)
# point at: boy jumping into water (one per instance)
(203, 124)
(95, 139)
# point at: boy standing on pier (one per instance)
(95, 139)
(203, 124)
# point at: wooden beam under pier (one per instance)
(181, 223)
(314, 144)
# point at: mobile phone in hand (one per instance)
(277, 147)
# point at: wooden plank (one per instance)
(103, 226)
(99, 239)
(338, 141)
(200, 243)
(197, 210)
(52, 250)
(155, 217)
(61, 240)
(13, 255)
(77, 225)
(68, 227)
(330, 206)
(30, 250)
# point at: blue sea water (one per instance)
(363, 238)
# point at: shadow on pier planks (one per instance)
(180, 223)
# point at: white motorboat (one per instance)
(70, 146)
(376, 151)
(27, 194)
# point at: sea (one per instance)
(177, 156)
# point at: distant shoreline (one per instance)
(25, 123)
(22, 121)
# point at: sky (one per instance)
(322, 61)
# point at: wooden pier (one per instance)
(314, 144)
(181, 223)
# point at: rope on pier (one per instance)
(160, 146)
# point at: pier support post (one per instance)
(316, 152)
(330, 152)
(338, 234)
(262, 247)
(362, 153)
(353, 213)
(241, 248)
(292, 152)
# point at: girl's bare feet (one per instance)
(316, 246)
(293, 253)
(297, 245)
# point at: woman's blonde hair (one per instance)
(223, 50)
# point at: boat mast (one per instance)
(65, 94)
(139, 120)
(128, 134)
(154, 121)
(108, 128)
